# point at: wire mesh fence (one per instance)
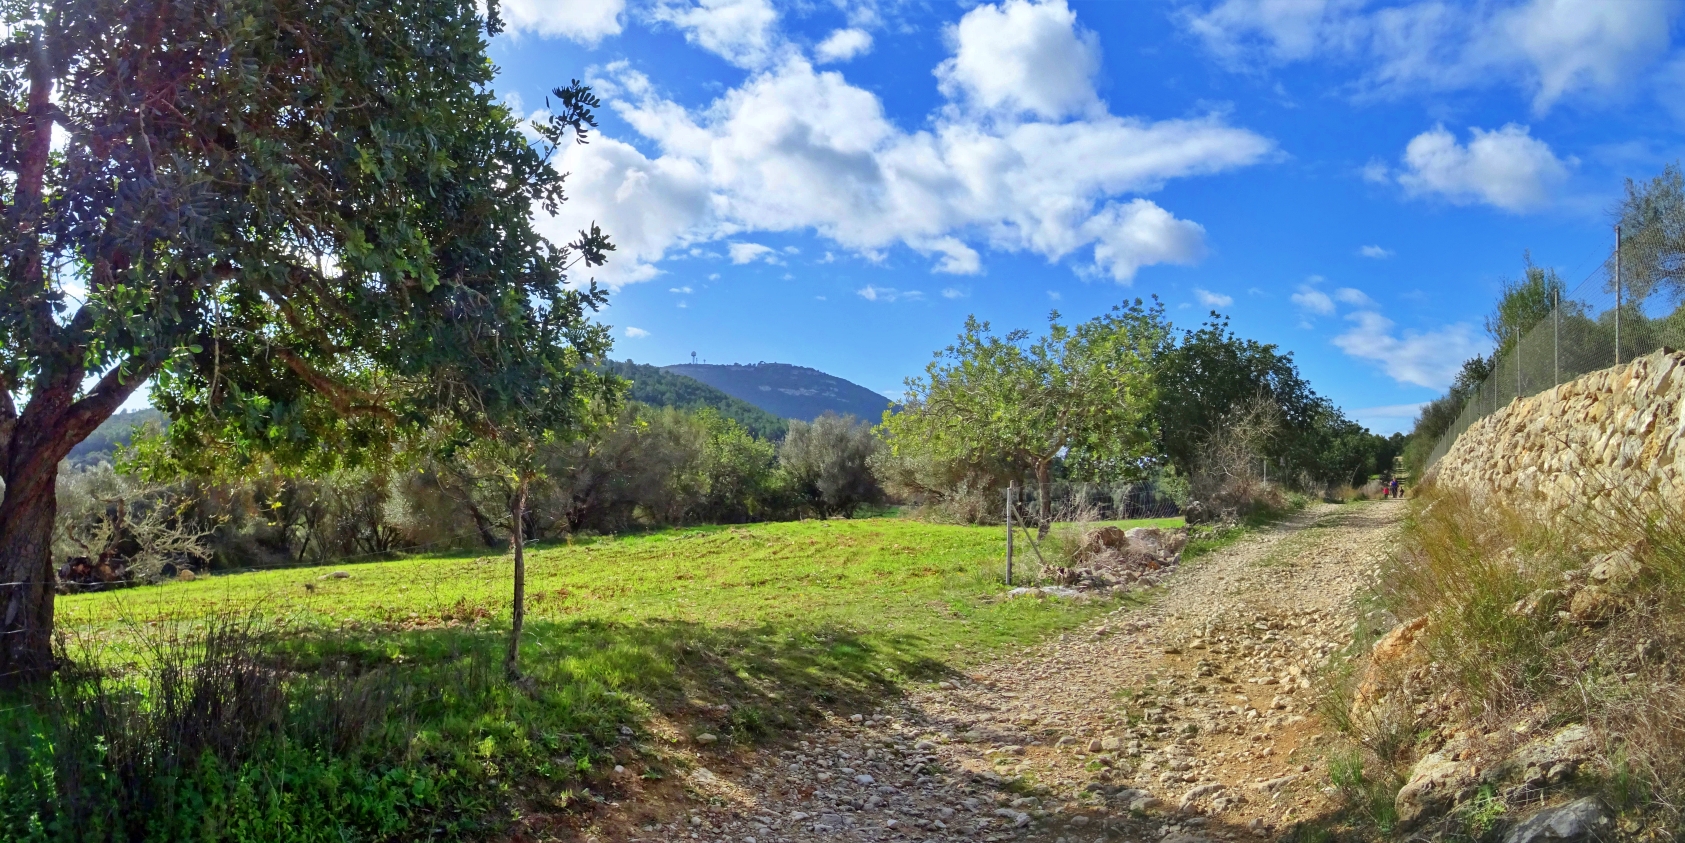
(1629, 306)
(1074, 501)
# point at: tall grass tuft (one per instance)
(1508, 653)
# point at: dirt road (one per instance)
(1186, 720)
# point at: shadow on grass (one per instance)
(234, 731)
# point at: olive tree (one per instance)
(308, 223)
(1084, 393)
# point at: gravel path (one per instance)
(1185, 720)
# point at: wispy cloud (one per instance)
(1429, 359)
(1376, 252)
(1354, 297)
(1210, 299)
(888, 294)
(742, 253)
(1313, 300)
(636, 333)
(682, 290)
(955, 293)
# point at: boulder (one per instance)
(1437, 783)
(1388, 658)
(1579, 821)
(1616, 570)
(1552, 758)
(1592, 605)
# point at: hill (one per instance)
(103, 443)
(660, 388)
(793, 392)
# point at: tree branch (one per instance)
(345, 399)
(113, 389)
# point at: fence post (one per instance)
(1617, 295)
(1011, 499)
(1556, 341)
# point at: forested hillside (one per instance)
(791, 392)
(657, 387)
(113, 433)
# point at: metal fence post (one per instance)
(1011, 498)
(1556, 342)
(1617, 295)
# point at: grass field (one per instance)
(735, 631)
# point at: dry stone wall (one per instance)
(1620, 431)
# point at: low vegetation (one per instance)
(301, 704)
(1511, 629)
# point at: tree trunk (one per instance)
(1044, 486)
(26, 575)
(517, 540)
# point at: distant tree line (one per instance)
(1122, 397)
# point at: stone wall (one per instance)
(1620, 430)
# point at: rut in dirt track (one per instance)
(1188, 719)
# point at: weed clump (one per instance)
(1537, 643)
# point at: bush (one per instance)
(828, 464)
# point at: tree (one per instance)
(1085, 393)
(1523, 304)
(1211, 377)
(305, 222)
(1652, 221)
(828, 463)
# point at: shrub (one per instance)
(828, 464)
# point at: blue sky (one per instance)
(838, 183)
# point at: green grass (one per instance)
(739, 631)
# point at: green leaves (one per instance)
(1081, 392)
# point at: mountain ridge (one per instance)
(788, 390)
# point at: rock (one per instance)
(1096, 745)
(1616, 570)
(1110, 744)
(1403, 644)
(1142, 804)
(1576, 822)
(1276, 784)
(1549, 759)
(707, 738)
(855, 718)
(1436, 783)
(1196, 794)
(1592, 605)
(864, 779)
(1541, 605)
(340, 575)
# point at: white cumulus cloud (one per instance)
(1429, 359)
(585, 21)
(636, 333)
(743, 32)
(1022, 56)
(842, 45)
(797, 148)
(1376, 252)
(1210, 299)
(1507, 168)
(1548, 49)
